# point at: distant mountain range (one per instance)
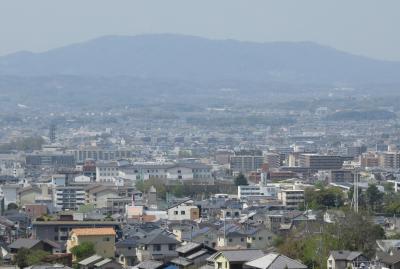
(188, 58)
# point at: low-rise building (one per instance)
(58, 231)
(343, 259)
(183, 211)
(156, 246)
(274, 261)
(229, 259)
(291, 199)
(103, 240)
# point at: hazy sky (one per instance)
(366, 27)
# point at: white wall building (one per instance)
(10, 194)
(106, 171)
(68, 198)
(258, 191)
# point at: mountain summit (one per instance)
(193, 58)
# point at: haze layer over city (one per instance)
(199, 134)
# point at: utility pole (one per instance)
(355, 191)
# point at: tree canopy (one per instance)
(324, 198)
(83, 250)
(241, 180)
(26, 257)
(312, 243)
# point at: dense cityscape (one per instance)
(172, 151)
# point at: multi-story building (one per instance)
(171, 171)
(389, 160)
(103, 240)
(320, 162)
(257, 191)
(106, 171)
(50, 158)
(369, 159)
(336, 176)
(273, 160)
(291, 199)
(58, 231)
(99, 195)
(98, 154)
(10, 166)
(246, 160)
(68, 197)
(10, 194)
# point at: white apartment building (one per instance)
(291, 199)
(106, 171)
(68, 198)
(257, 191)
(171, 171)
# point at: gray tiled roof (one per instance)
(24, 243)
(181, 261)
(242, 255)
(389, 258)
(157, 239)
(188, 247)
(150, 264)
(90, 260)
(275, 261)
(345, 255)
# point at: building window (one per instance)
(175, 212)
(241, 239)
(183, 212)
(230, 240)
(171, 247)
(156, 247)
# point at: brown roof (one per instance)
(93, 231)
(145, 218)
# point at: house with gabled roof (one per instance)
(235, 259)
(156, 246)
(343, 259)
(274, 261)
(102, 238)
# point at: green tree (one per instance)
(391, 203)
(37, 256)
(241, 180)
(21, 259)
(389, 187)
(312, 243)
(178, 190)
(324, 198)
(12, 206)
(26, 257)
(83, 251)
(374, 197)
(159, 184)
